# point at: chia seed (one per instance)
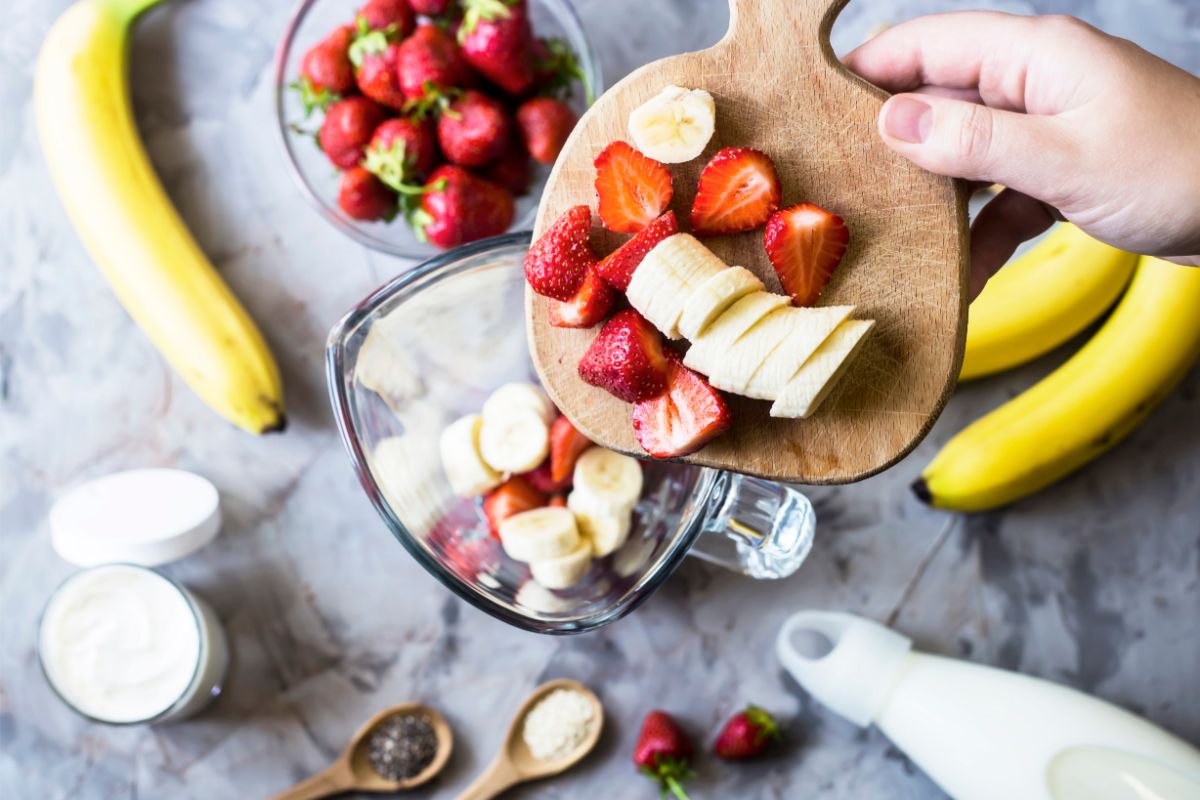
(401, 746)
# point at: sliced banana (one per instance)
(387, 368)
(733, 370)
(514, 439)
(610, 482)
(820, 373)
(710, 347)
(469, 474)
(633, 556)
(812, 327)
(605, 532)
(539, 534)
(675, 125)
(520, 395)
(712, 297)
(667, 278)
(566, 570)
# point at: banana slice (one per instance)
(519, 395)
(540, 534)
(712, 297)
(710, 347)
(633, 556)
(732, 371)
(514, 439)
(675, 125)
(468, 472)
(565, 571)
(605, 532)
(812, 327)
(667, 278)
(608, 482)
(820, 373)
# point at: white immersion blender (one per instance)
(983, 733)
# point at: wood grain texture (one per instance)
(779, 88)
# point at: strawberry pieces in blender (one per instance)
(474, 130)
(511, 497)
(684, 418)
(664, 753)
(633, 189)
(738, 191)
(545, 124)
(805, 243)
(347, 129)
(560, 259)
(627, 358)
(497, 40)
(618, 266)
(566, 446)
(459, 207)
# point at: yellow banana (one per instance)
(1043, 299)
(1085, 406)
(128, 225)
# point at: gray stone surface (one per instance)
(1096, 583)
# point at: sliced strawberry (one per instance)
(587, 307)
(684, 418)
(617, 267)
(557, 262)
(738, 191)
(461, 544)
(511, 497)
(566, 446)
(542, 480)
(558, 501)
(805, 244)
(626, 358)
(633, 188)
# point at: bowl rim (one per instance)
(433, 270)
(563, 10)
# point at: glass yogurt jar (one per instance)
(122, 644)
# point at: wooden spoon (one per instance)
(780, 89)
(515, 764)
(352, 772)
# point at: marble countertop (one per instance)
(1095, 584)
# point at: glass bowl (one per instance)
(318, 179)
(430, 346)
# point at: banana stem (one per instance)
(128, 10)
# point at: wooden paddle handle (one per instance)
(782, 25)
(334, 780)
(500, 775)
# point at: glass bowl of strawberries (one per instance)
(416, 126)
(476, 473)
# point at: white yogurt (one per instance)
(121, 643)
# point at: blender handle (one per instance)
(756, 527)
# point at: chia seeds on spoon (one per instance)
(401, 746)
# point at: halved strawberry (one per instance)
(805, 244)
(511, 497)
(626, 358)
(633, 188)
(617, 267)
(684, 418)
(738, 191)
(558, 262)
(587, 307)
(542, 480)
(566, 446)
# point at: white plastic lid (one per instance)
(143, 516)
(854, 665)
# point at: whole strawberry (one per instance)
(364, 197)
(375, 60)
(325, 71)
(545, 124)
(430, 63)
(347, 129)
(747, 734)
(474, 130)
(513, 170)
(402, 151)
(497, 40)
(664, 753)
(430, 8)
(459, 207)
(392, 16)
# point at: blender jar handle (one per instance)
(756, 527)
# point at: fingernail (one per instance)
(907, 119)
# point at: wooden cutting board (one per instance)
(779, 88)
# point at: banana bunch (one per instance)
(1095, 399)
(128, 225)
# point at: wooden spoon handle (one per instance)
(500, 775)
(333, 780)
(782, 25)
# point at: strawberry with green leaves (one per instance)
(458, 207)
(364, 197)
(326, 74)
(402, 150)
(393, 17)
(497, 40)
(664, 753)
(747, 734)
(428, 65)
(556, 68)
(375, 57)
(347, 128)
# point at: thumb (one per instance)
(968, 140)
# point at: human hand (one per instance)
(1075, 123)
